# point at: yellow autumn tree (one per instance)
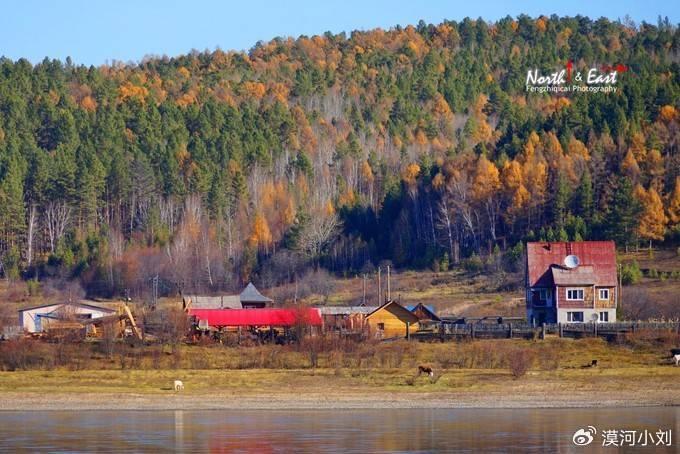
(485, 190)
(529, 150)
(630, 167)
(410, 173)
(638, 147)
(367, 172)
(260, 235)
(515, 190)
(536, 177)
(674, 204)
(654, 167)
(487, 179)
(128, 90)
(438, 181)
(668, 113)
(652, 222)
(254, 89)
(441, 108)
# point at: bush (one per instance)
(519, 362)
(33, 287)
(26, 354)
(444, 263)
(631, 274)
(473, 264)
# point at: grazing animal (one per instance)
(425, 370)
(675, 351)
(593, 363)
(676, 357)
(179, 386)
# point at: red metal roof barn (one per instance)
(258, 317)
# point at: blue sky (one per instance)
(96, 32)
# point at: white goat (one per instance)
(677, 359)
(179, 385)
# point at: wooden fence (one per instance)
(447, 331)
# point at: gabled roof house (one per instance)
(571, 282)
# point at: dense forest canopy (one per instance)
(417, 145)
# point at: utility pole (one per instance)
(389, 289)
(379, 289)
(154, 291)
(619, 294)
(363, 299)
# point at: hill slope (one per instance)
(419, 145)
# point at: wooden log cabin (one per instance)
(391, 320)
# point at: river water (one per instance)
(360, 431)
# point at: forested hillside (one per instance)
(418, 145)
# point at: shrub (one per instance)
(473, 263)
(519, 362)
(444, 263)
(33, 287)
(25, 354)
(631, 274)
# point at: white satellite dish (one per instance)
(571, 261)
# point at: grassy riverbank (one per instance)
(468, 374)
(325, 388)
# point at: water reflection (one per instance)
(461, 430)
(179, 429)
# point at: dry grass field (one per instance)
(472, 374)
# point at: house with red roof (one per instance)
(571, 282)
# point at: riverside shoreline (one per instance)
(34, 401)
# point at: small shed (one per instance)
(345, 318)
(424, 312)
(38, 318)
(391, 320)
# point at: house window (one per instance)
(574, 316)
(543, 294)
(604, 294)
(604, 316)
(381, 326)
(574, 294)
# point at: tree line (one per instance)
(417, 145)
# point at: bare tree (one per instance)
(445, 222)
(317, 233)
(460, 190)
(58, 216)
(32, 221)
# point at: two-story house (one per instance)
(571, 282)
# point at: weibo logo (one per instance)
(584, 437)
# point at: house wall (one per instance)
(562, 316)
(395, 323)
(27, 319)
(587, 297)
(605, 304)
